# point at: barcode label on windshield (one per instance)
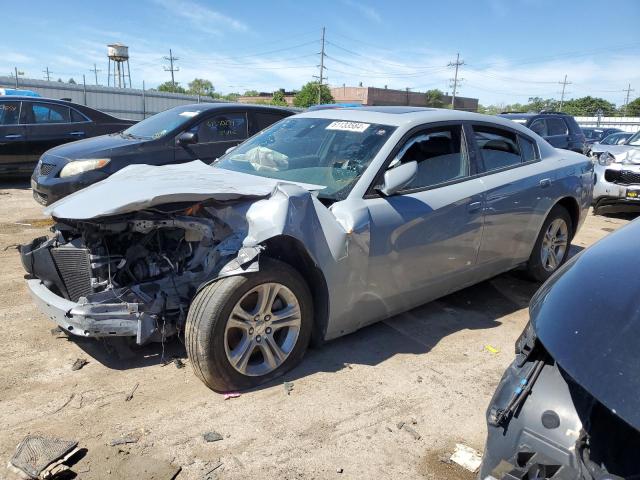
(348, 126)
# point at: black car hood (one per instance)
(95, 147)
(587, 316)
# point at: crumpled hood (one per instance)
(138, 187)
(622, 153)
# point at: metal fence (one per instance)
(628, 124)
(128, 103)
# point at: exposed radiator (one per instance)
(75, 269)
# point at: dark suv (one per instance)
(559, 129)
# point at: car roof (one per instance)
(406, 116)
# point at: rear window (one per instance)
(499, 148)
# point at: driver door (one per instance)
(425, 239)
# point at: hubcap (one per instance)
(554, 244)
(262, 329)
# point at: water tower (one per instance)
(118, 55)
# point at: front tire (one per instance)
(245, 330)
(552, 245)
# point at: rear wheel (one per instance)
(552, 246)
(245, 330)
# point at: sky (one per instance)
(512, 49)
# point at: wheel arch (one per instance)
(571, 205)
(291, 251)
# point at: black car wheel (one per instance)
(245, 330)
(552, 245)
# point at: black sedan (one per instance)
(202, 131)
(29, 126)
(568, 407)
(595, 134)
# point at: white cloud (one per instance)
(367, 11)
(201, 17)
(15, 57)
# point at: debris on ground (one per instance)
(389, 429)
(79, 363)
(339, 470)
(211, 470)
(130, 394)
(419, 379)
(56, 331)
(491, 349)
(178, 363)
(42, 457)
(349, 366)
(229, 395)
(212, 437)
(409, 430)
(288, 387)
(123, 440)
(467, 457)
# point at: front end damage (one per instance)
(134, 275)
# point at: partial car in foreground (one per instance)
(557, 128)
(617, 171)
(319, 225)
(202, 131)
(568, 407)
(29, 126)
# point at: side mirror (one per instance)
(396, 178)
(187, 138)
(230, 149)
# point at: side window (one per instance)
(557, 126)
(539, 127)
(499, 148)
(528, 149)
(440, 154)
(9, 112)
(77, 117)
(222, 128)
(263, 120)
(49, 113)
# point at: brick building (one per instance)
(385, 96)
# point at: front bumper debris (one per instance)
(93, 319)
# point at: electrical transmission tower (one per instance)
(626, 102)
(455, 80)
(95, 71)
(171, 68)
(321, 77)
(47, 74)
(564, 86)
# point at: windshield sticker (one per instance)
(348, 126)
(189, 114)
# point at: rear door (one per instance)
(13, 138)
(557, 132)
(48, 125)
(517, 195)
(216, 134)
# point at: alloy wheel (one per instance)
(554, 244)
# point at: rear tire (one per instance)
(552, 245)
(236, 340)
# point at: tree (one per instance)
(308, 95)
(72, 81)
(586, 106)
(169, 87)
(633, 108)
(278, 98)
(537, 104)
(200, 86)
(434, 98)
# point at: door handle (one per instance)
(474, 207)
(76, 134)
(13, 136)
(545, 182)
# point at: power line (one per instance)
(171, 59)
(458, 63)
(320, 77)
(564, 86)
(95, 71)
(47, 73)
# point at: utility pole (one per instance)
(458, 63)
(626, 102)
(322, 68)
(15, 69)
(95, 71)
(47, 73)
(172, 59)
(564, 86)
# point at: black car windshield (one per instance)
(635, 140)
(162, 123)
(327, 152)
(592, 134)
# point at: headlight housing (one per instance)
(605, 159)
(76, 167)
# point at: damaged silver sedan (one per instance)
(321, 224)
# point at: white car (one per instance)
(617, 170)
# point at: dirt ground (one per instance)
(429, 368)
